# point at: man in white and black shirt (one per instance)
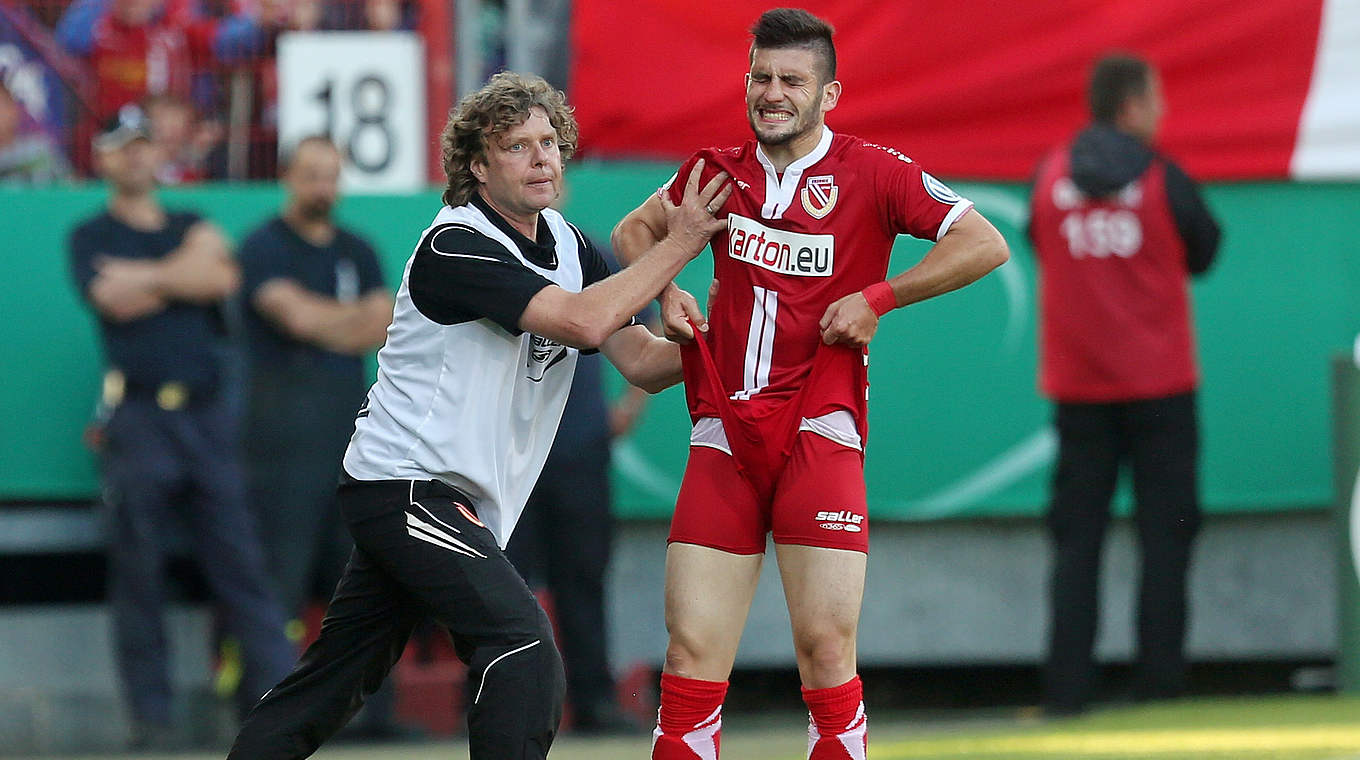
(499, 298)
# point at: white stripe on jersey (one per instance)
(759, 343)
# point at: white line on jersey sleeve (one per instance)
(959, 210)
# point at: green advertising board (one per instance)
(957, 428)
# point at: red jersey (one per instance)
(794, 245)
(1113, 291)
(131, 62)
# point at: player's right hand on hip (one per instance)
(696, 220)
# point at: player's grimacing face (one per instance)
(522, 173)
(784, 94)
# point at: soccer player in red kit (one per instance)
(776, 382)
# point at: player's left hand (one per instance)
(678, 310)
(849, 321)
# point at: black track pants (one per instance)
(416, 555)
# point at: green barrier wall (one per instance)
(956, 427)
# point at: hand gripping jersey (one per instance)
(470, 401)
(796, 243)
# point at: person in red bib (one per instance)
(1118, 230)
(776, 381)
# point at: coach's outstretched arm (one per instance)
(588, 318)
(971, 248)
(635, 234)
(644, 360)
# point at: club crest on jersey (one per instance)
(939, 190)
(819, 195)
(543, 354)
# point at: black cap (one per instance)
(130, 124)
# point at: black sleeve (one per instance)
(370, 271)
(83, 246)
(459, 275)
(260, 260)
(597, 263)
(183, 220)
(595, 266)
(1196, 226)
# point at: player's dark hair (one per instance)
(1116, 78)
(502, 104)
(794, 27)
(290, 153)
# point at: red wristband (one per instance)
(880, 297)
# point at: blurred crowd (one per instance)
(202, 70)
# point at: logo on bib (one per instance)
(543, 353)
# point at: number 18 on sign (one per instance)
(367, 91)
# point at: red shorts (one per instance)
(818, 500)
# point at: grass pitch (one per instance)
(1273, 728)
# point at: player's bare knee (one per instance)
(828, 650)
(681, 660)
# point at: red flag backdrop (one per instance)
(972, 89)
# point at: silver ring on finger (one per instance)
(712, 211)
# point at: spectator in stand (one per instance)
(370, 15)
(254, 32)
(136, 48)
(388, 15)
(27, 156)
(190, 149)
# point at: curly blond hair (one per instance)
(502, 104)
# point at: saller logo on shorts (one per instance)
(840, 520)
(778, 250)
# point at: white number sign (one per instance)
(367, 91)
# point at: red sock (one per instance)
(837, 728)
(689, 723)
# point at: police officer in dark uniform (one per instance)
(314, 306)
(155, 279)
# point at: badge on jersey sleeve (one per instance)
(939, 190)
(819, 195)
